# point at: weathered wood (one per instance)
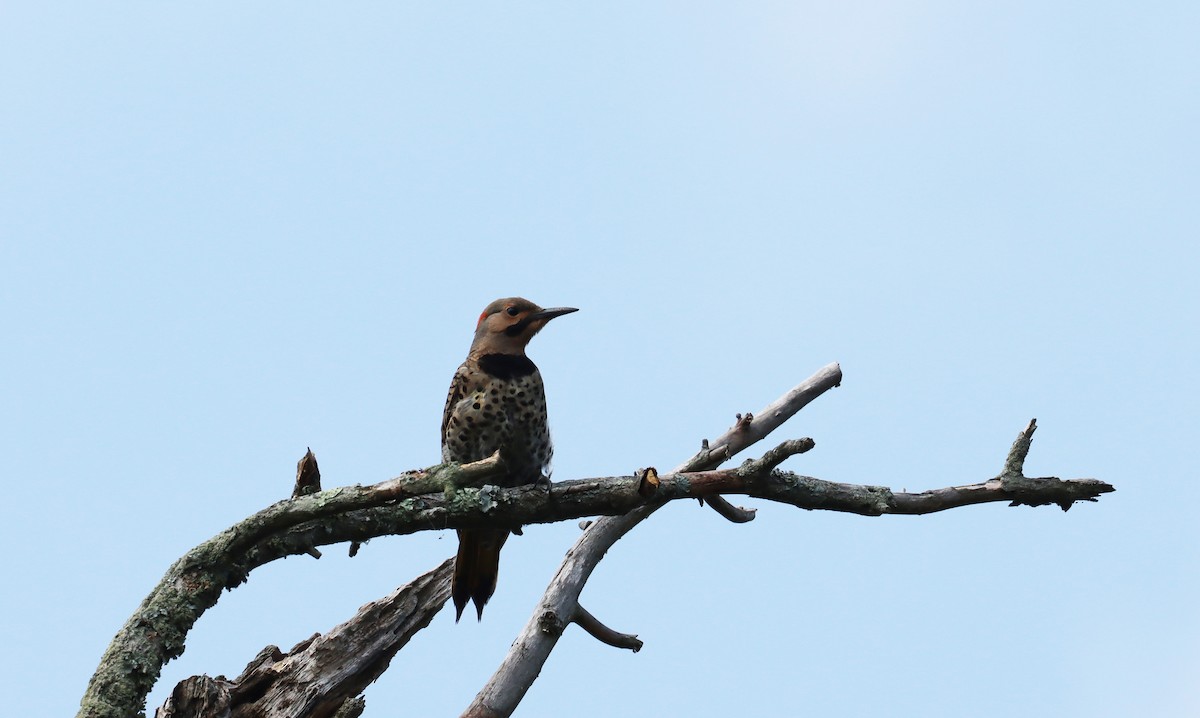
(749, 429)
(321, 675)
(155, 633)
(308, 475)
(521, 666)
(523, 662)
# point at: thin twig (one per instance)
(751, 428)
(603, 633)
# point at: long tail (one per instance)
(476, 567)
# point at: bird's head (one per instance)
(507, 325)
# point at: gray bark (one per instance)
(450, 496)
(323, 675)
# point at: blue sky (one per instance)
(230, 232)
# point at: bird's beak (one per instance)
(541, 316)
(548, 314)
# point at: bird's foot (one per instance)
(544, 482)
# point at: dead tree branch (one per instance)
(451, 496)
(751, 428)
(155, 633)
(322, 674)
(603, 633)
(524, 661)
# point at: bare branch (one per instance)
(155, 633)
(1014, 463)
(1019, 491)
(778, 455)
(735, 514)
(321, 674)
(603, 633)
(524, 661)
(529, 652)
(447, 496)
(751, 428)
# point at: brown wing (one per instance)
(458, 390)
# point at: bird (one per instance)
(496, 403)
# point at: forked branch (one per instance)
(524, 661)
(451, 496)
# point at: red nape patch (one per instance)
(482, 316)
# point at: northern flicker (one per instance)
(496, 402)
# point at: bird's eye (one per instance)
(513, 311)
